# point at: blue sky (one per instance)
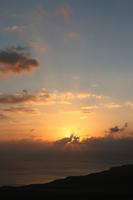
(101, 53)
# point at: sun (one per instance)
(68, 133)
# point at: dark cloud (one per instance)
(16, 60)
(117, 129)
(20, 110)
(65, 140)
(25, 97)
(68, 140)
(33, 160)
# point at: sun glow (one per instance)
(68, 131)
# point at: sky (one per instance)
(65, 78)
(65, 67)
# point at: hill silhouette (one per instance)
(115, 183)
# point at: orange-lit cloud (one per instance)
(89, 109)
(11, 113)
(44, 97)
(83, 117)
(21, 110)
(72, 112)
(112, 105)
(80, 95)
(84, 95)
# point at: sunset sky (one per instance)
(66, 77)
(65, 67)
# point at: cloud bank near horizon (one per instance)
(95, 149)
(36, 157)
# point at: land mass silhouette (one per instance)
(115, 183)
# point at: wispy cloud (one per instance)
(64, 11)
(72, 112)
(21, 110)
(84, 95)
(83, 117)
(15, 28)
(80, 95)
(112, 105)
(38, 46)
(10, 113)
(89, 109)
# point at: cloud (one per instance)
(117, 129)
(45, 97)
(45, 160)
(64, 102)
(20, 109)
(71, 112)
(80, 96)
(86, 95)
(89, 109)
(83, 112)
(65, 95)
(16, 60)
(83, 117)
(25, 97)
(73, 139)
(64, 11)
(112, 106)
(15, 28)
(9, 113)
(65, 140)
